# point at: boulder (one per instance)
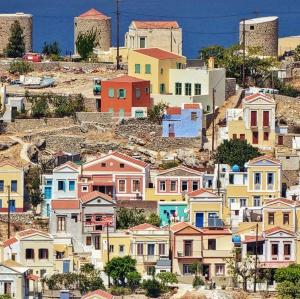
(32, 152)
(40, 143)
(137, 140)
(84, 128)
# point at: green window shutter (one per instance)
(111, 92)
(137, 68)
(148, 68)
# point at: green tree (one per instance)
(167, 278)
(290, 273)
(153, 287)
(67, 105)
(288, 290)
(118, 268)
(156, 112)
(20, 67)
(51, 48)
(133, 280)
(130, 217)
(153, 219)
(5, 297)
(16, 43)
(235, 151)
(212, 51)
(297, 53)
(86, 42)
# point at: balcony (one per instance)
(257, 186)
(215, 222)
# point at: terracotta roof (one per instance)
(178, 226)
(155, 24)
(200, 191)
(191, 106)
(158, 53)
(130, 159)
(283, 200)
(94, 194)
(258, 95)
(264, 157)
(126, 79)
(94, 14)
(277, 229)
(250, 239)
(180, 167)
(65, 204)
(3, 163)
(31, 231)
(10, 241)
(99, 293)
(173, 110)
(144, 226)
(70, 164)
(221, 231)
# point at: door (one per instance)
(206, 272)
(48, 192)
(66, 266)
(7, 288)
(12, 205)
(199, 219)
(171, 130)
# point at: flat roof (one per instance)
(17, 14)
(260, 20)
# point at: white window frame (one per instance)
(159, 186)
(218, 267)
(256, 198)
(260, 184)
(135, 191)
(176, 185)
(273, 184)
(119, 185)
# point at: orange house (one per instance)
(126, 96)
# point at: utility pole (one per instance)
(218, 179)
(118, 33)
(256, 246)
(8, 212)
(244, 52)
(213, 121)
(107, 238)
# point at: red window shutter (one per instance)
(255, 137)
(266, 118)
(266, 136)
(242, 136)
(280, 140)
(253, 118)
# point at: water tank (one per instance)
(236, 239)
(235, 168)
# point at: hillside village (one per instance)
(140, 173)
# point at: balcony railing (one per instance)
(193, 254)
(215, 222)
(257, 186)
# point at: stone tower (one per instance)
(262, 33)
(6, 20)
(94, 19)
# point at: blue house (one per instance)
(173, 211)
(183, 122)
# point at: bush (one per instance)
(198, 281)
(119, 291)
(20, 67)
(287, 290)
(153, 287)
(168, 165)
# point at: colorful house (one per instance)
(171, 212)
(255, 122)
(153, 64)
(12, 185)
(115, 174)
(183, 122)
(126, 96)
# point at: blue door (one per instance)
(66, 266)
(12, 205)
(199, 219)
(48, 192)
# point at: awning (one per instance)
(103, 182)
(60, 247)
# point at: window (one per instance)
(74, 217)
(271, 218)
(148, 68)
(61, 224)
(231, 178)
(7, 288)
(188, 89)
(212, 244)
(274, 249)
(184, 185)
(280, 140)
(287, 249)
(122, 185)
(220, 269)
(1, 186)
(71, 185)
(88, 241)
(111, 248)
(187, 269)
(43, 254)
(243, 202)
(188, 247)
(13, 256)
(242, 137)
(161, 71)
(103, 164)
(270, 180)
(162, 249)
(266, 118)
(178, 88)
(266, 136)
(121, 93)
(61, 186)
(236, 212)
(194, 116)
(178, 65)
(197, 89)
(150, 270)
(256, 201)
(252, 27)
(162, 88)
(84, 188)
(162, 186)
(121, 249)
(137, 93)
(255, 137)
(147, 90)
(151, 249)
(195, 185)
(137, 68)
(173, 186)
(14, 186)
(136, 185)
(142, 42)
(122, 165)
(29, 254)
(97, 242)
(88, 219)
(257, 180)
(286, 218)
(140, 248)
(111, 93)
(253, 118)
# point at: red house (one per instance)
(126, 96)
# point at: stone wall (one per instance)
(6, 20)
(95, 117)
(230, 87)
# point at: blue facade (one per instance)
(187, 124)
(178, 212)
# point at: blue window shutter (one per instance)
(0, 203)
(71, 185)
(64, 185)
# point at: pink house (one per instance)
(117, 175)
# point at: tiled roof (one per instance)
(3, 163)
(277, 229)
(158, 53)
(264, 157)
(144, 226)
(65, 204)
(126, 79)
(191, 106)
(10, 241)
(250, 239)
(180, 167)
(173, 110)
(156, 24)
(283, 200)
(200, 191)
(94, 14)
(99, 293)
(258, 95)
(130, 159)
(69, 163)
(94, 194)
(31, 231)
(178, 226)
(222, 231)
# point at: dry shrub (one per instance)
(239, 294)
(190, 295)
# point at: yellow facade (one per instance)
(159, 69)
(150, 195)
(63, 253)
(288, 43)
(12, 181)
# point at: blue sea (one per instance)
(204, 22)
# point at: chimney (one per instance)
(211, 63)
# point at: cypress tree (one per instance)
(16, 44)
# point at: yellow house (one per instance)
(153, 64)
(11, 184)
(63, 257)
(255, 122)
